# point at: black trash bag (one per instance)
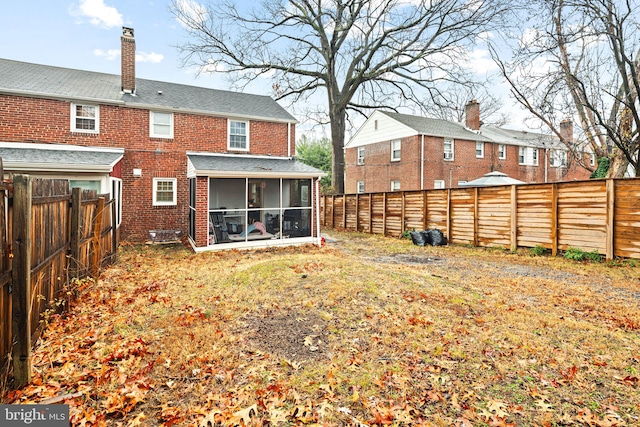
(428, 238)
(437, 238)
(418, 238)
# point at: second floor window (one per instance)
(438, 184)
(361, 155)
(448, 149)
(502, 151)
(85, 118)
(395, 150)
(479, 150)
(161, 125)
(360, 187)
(528, 156)
(238, 135)
(558, 158)
(395, 185)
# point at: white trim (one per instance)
(152, 125)
(174, 202)
(360, 160)
(504, 152)
(393, 182)
(358, 187)
(481, 145)
(247, 134)
(73, 118)
(439, 181)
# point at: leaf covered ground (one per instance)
(366, 330)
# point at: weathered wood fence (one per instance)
(49, 235)
(594, 215)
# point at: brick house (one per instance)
(393, 151)
(175, 157)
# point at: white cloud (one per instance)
(192, 12)
(110, 54)
(481, 61)
(98, 13)
(151, 57)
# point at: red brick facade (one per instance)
(378, 170)
(27, 119)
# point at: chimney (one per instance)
(472, 114)
(128, 52)
(566, 130)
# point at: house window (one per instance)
(395, 150)
(160, 125)
(361, 155)
(558, 158)
(438, 184)
(85, 118)
(502, 151)
(448, 149)
(479, 150)
(238, 135)
(375, 125)
(360, 187)
(528, 156)
(592, 159)
(164, 191)
(395, 185)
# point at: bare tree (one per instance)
(581, 59)
(362, 54)
(451, 107)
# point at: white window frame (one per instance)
(528, 156)
(592, 159)
(360, 187)
(438, 184)
(534, 156)
(450, 154)
(361, 155)
(74, 117)
(395, 185)
(174, 200)
(522, 156)
(502, 151)
(246, 135)
(558, 158)
(396, 150)
(479, 150)
(153, 125)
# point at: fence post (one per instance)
(449, 234)
(4, 252)
(114, 234)
(76, 209)
(357, 212)
(611, 205)
(425, 213)
(97, 231)
(554, 219)
(384, 214)
(21, 277)
(475, 217)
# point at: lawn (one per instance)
(366, 330)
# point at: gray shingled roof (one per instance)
(521, 138)
(211, 164)
(437, 127)
(39, 158)
(47, 81)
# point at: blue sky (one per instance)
(85, 34)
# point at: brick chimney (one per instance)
(128, 52)
(566, 130)
(472, 114)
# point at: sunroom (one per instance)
(241, 201)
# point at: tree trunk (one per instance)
(618, 165)
(337, 117)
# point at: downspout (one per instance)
(422, 163)
(288, 139)
(318, 237)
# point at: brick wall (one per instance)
(24, 119)
(378, 171)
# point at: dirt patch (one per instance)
(294, 335)
(409, 259)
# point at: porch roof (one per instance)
(242, 166)
(27, 157)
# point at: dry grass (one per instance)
(367, 330)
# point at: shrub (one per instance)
(538, 250)
(576, 254)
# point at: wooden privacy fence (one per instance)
(595, 215)
(49, 236)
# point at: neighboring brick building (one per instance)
(394, 151)
(176, 157)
